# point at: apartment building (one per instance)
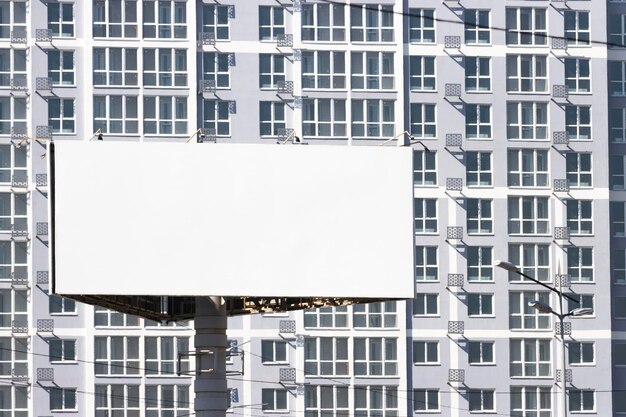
(508, 100)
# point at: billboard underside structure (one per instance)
(145, 228)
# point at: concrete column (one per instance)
(210, 343)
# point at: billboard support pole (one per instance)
(210, 344)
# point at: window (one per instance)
(478, 121)
(527, 168)
(617, 30)
(422, 76)
(375, 315)
(372, 70)
(326, 356)
(14, 400)
(164, 67)
(375, 356)
(13, 111)
(617, 125)
(14, 354)
(165, 115)
(273, 351)
(579, 217)
(326, 317)
(580, 264)
(117, 400)
(619, 307)
(425, 215)
(578, 168)
(62, 399)
(327, 401)
(61, 19)
(617, 170)
(423, 121)
(576, 27)
(61, 305)
(524, 317)
(526, 26)
(115, 114)
(323, 70)
(271, 70)
(477, 74)
(527, 73)
(426, 305)
(619, 266)
(12, 66)
(578, 122)
(323, 22)
(165, 19)
(13, 18)
(162, 354)
(422, 25)
(482, 400)
(215, 21)
(526, 121)
(583, 301)
(577, 75)
(376, 401)
(274, 399)
(618, 218)
(425, 400)
(14, 255)
(271, 22)
(61, 67)
(13, 308)
(425, 353)
(617, 78)
(115, 67)
(530, 358)
(532, 259)
(168, 400)
(373, 118)
(479, 305)
(324, 118)
(477, 27)
(61, 115)
(426, 259)
(103, 317)
(216, 116)
(371, 23)
(216, 68)
(479, 263)
(582, 401)
(619, 353)
(272, 117)
(528, 215)
(581, 353)
(115, 19)
(481, 353)
(478, 169)
(531, 401)
(424, 168)
(13, 211)
(116, 355)
(479, 216)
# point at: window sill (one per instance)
(424, 316)
(64, 411)
(481, 316)
(528, 93)
(275, 411)
(275, 363)
(427, 364)
(63, 362)
(483, 364)
(479, 91)
(64, 314)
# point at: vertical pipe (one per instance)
(563, 368)
(210, 343)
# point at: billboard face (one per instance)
(231, 220)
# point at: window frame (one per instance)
(427, 254)
(475, 79)
(522, 317)
(384, 124)
(422, 351)
(579, 253)
(372, 71)
(68, 400)
(579, 122)
(518, 129)
(533, 35)
(275, 123)
(526, 73)
(324, 70)
(427, 300)
(312, 30)
(538, 254)
(479, 172)
(478, 123)
(575, 35)
(127, 121)
(362, 32)
(581, 76)
(317, 364)
(59, 74)
(127, 72)
(172, 25)
(520, 175)
(420, 32)
(424, 168)
(538, 221)
(480, 305)
(422, 73)
(481, 272)
(528, 360)
(486, 357)
(578, 222)
(366, 365)
(128, 28)
(274, 25)
(575, 169)
(61, 27)
(108, 398)
(475, 25)
(63, 122)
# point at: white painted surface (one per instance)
(233, 220)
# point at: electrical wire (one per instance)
(474, 25)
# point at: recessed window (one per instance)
(531, 401)
(425, 352)
(164, 67)
(327, 400)
(117, 399)
(583, 401)
(216, 21)
(478, 121)
(374, 401)
(116, 355)
(216, 68)
(373, 118)
(424, 167)
(274, 399)
(62, 399)
(271, 70)
(375, 315)
(422, 73)
(61, 67)
(115, 114)
(528, 215)
(61, 19)
(115, 67)
(423, 121)
(580, 216)
(323, 70)
(578, 122)
(426, 263)
(272, 118)
(326, 317)
(162, 355)
(577, 75)
(61, 305)
(578, 169)
(482, 401)
(115, 18)
(372, 70)
(62, 116)
(165, 115)
(425, 215)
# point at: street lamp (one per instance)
(546, 309)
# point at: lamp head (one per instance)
(538, 305)
(507, 265)
(577, 312)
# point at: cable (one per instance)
(475, 25)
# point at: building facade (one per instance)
(521, 157)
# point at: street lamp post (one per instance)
(544, 308)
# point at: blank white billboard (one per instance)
(231, 220)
